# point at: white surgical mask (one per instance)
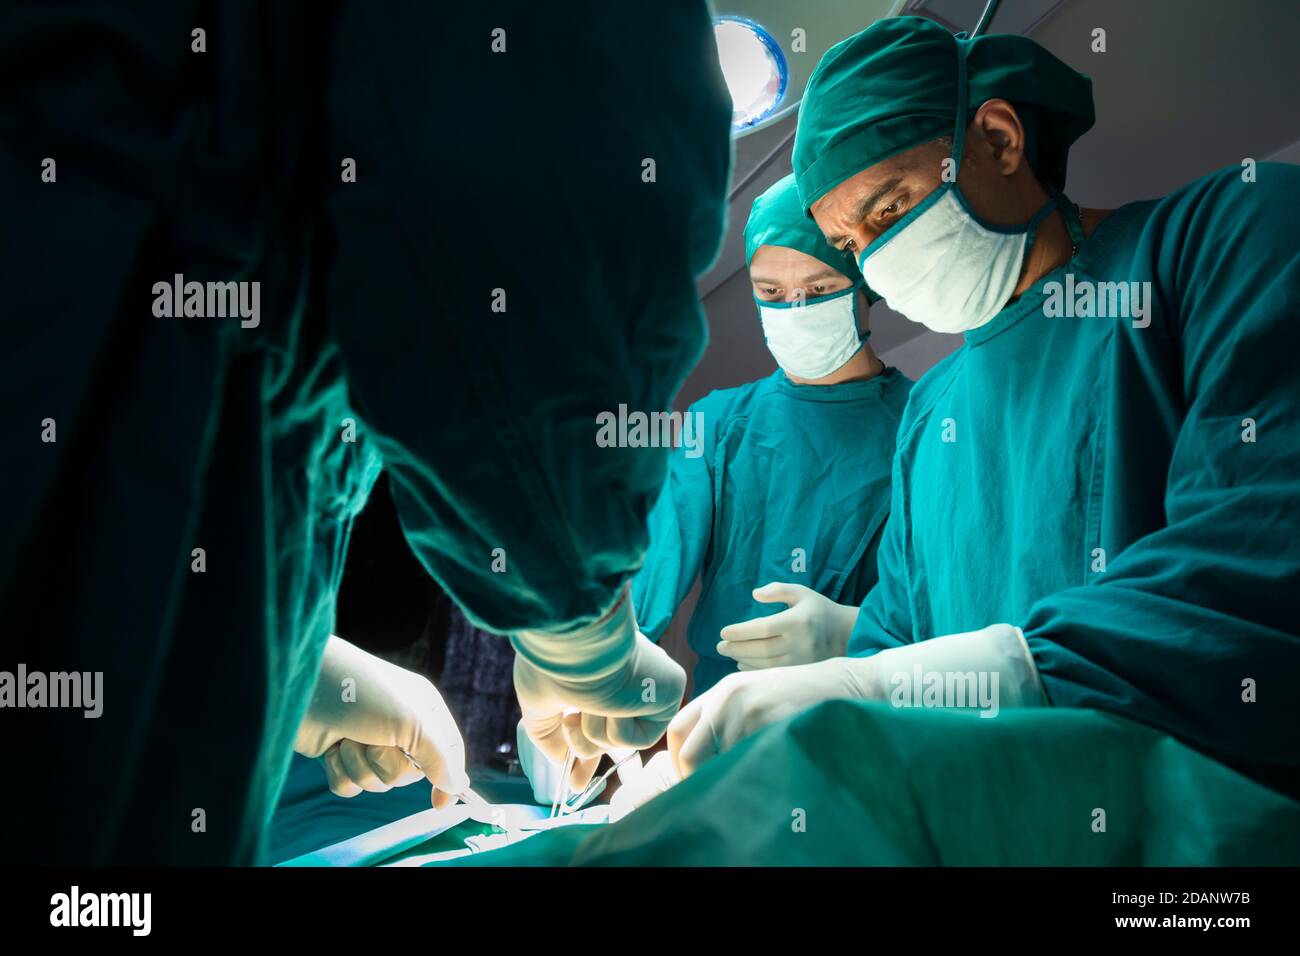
(814, 338)
(946, 269)
(940, 265)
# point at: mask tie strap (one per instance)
(1069, 213)
(959, 132)
(1037, 220)
(857, 287)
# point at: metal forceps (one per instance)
(574, 802)
(559, 806)
(578, 799)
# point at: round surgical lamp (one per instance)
(768, 49)
(754, 68)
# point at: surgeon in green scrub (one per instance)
(1094, 499)
(406, 196)
(783, 498)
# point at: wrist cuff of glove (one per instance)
(586, 653)
(996, 652)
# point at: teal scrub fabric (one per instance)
(792, 485)
(481, 179)
(864, 784)
(1088, 481)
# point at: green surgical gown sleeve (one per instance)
(681, 525)
(179, 437)
(885, 609)
(1190, 615)
(516, 257)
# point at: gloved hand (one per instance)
(742, 704)
(545, 775)
(640, 788)
(367, 715)
(623, 688)
(812, 628)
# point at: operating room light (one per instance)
(754, 68)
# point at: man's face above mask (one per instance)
(782, 274)
(995, 179)
(858, 210)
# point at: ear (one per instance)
(1001, 135)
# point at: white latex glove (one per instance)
(624, 688)
(367, 715)
(742, 704)
(812, 628)
(545, 775)
(640, 788)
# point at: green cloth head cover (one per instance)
(894, 86)
(777, 219)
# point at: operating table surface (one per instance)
(313, 827)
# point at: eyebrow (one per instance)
(823, 274)
(868, 205)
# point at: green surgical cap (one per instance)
(894, 86)
(777, 219)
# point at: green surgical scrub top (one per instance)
(792, 484)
